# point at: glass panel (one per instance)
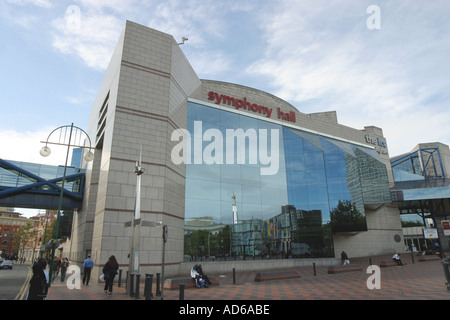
(320, 186)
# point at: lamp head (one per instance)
(89, 156)
(45, 151)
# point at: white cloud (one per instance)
(120, 6)
(25, 146)
(90, 36)
(38, 3)
(321, 56)
(196, 20)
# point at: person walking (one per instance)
(110, 270)
(88, 264)
(64, 265)
(56, 267)
(39, 281)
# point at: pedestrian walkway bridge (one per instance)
(31, 185)
(421, 186)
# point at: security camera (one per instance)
(183, 40)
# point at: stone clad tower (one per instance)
(141, 101)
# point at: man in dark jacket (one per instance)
(39, 281)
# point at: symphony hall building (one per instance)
(239, 176)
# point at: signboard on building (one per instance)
(430, 233)
(446, 227)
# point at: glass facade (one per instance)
(236, 208)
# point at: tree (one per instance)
(346, 218)
(26, 235)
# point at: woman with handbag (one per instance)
(39, 281)
(110, 271)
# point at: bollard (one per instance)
(234, 275)
(119, 283)
(148, 286)
(158, 288)
(412, 257)
(131, 285)
(370, 261)
(138, 280)
(314, 268)
(445, 264)
(181, 292)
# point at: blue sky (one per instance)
(318, 55)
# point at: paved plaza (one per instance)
(413, 281)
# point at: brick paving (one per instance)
(414, 281)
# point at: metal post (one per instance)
(165, 238)
(314, 268)
(45, 151)
(148, 286)
(130, 291)
(61, 196)
(138, 280)
(445, 264)
(134, 257)
(412, 257)
(158, 289)
(181, 297)
(234, 275)
(119, 283)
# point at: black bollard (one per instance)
(138, 280)
(148, 286)
(131, 293)
(412, 257)
(181, 297)
(158, 288)
(314, 268)
(370, 261)
(234, 275)
(119, 283)
(445, 263)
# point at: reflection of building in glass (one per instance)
(292, 233)
(234, 208)
(247, 239)
(326, 182)
(204, 238)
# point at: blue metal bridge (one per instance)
(421, 187)
(31, 185)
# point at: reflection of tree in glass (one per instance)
(203, 243)
(346, 217)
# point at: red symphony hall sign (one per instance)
(247, 105)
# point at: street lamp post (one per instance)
(74, 132)
(134, 263)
